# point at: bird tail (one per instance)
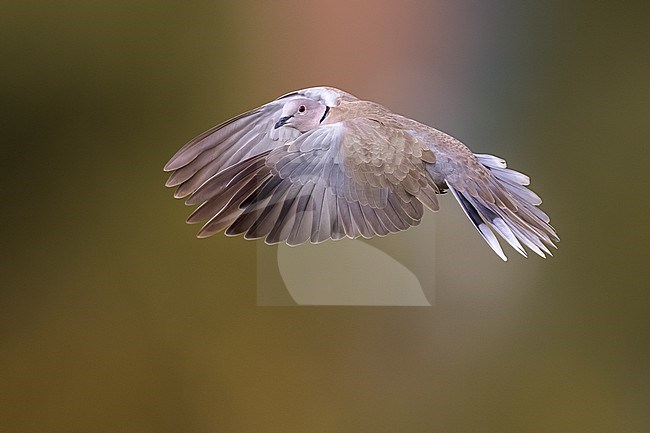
(506, 206)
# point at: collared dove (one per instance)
(320, 164)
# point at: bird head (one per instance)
(303, 114)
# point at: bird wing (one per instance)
(238, 139)
(493, 197)
(352, 178)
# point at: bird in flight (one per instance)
(320, 164)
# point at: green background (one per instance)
(113, 317)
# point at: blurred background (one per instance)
(114, 317)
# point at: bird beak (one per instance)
(282, 121)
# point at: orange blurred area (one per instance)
(114, 317)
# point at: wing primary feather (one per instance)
(266, 221)
(205, 140)
(222, 180)
(286, 217)
(304, 210)
(317, 201)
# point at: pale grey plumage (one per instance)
(320, 164)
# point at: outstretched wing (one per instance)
(227, 144)
(352, 178)
(494, 197)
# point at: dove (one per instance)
(320, 163)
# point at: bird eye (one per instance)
(301, 109)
